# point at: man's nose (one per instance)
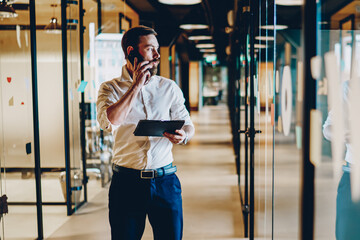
(156, 54)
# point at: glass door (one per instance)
(74, 99)
(17, 178)
(264, 120)
(336, 72)
(286, 116)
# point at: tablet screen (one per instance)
(156, 128)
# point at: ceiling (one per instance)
(166, 19)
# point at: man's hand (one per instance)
(177, 138)
(141, 73)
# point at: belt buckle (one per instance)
(147, 174)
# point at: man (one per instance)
(144, 180)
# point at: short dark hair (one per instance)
(131, 37)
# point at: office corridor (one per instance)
(206, 169)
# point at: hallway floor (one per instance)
(206, 169)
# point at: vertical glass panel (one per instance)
(264, 95)
(287, 116)
(104, 59)
(243, 114)
(74, 81)
(16, 126)
(51, 114)
(336, 70)
(97, 170)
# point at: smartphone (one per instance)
(135, 54)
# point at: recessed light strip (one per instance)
(271, 27)
(205, 45)
(180, 2)
(193, 26)
(208, 50)
(200, 37)
(264, 38)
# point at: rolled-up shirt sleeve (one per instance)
(178, 110)
(106, 97)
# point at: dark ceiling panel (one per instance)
(141, 6)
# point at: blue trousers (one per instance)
(347, 212)
(131, 199)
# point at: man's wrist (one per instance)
(186, 139)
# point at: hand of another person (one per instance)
(177, 138)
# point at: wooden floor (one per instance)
(206, 170)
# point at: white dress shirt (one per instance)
(160, 99)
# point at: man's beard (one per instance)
(153, 70)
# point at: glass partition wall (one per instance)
(335, 69)
(16, 125)
(74, 154)
(296, 88)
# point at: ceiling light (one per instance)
(193, 26)
(264, 38)
(205, 45)
(258, 46)
(180, 2)
(277, 27)
(207, 50)
(289, 2)
(200, 37)
(7, 11)
(53, 27)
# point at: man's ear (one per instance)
(129, 49)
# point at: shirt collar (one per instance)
(125, 75)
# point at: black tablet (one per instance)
(156, 128)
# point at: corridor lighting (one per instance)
(193, 26)
(210, 58)
(53, 26)
(208, 50)
(277, 27)
(205, 45)
(258, 46)
(264, 38)
(180, 2)
(200, 37)
(6, 11)
(289, 2)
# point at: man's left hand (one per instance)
(177, 138)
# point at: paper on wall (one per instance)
(300, 81)
(286, 100)
(11, 102)
(280, 124)
(315, 136)
(298, 133)
(18, 36)
(277, 81)
(27, 83)
(26, 39)
(82, 86)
